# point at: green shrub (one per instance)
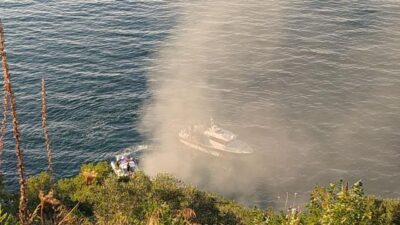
(338, 204)
(40, 182)
(166, 200)
(6, 218)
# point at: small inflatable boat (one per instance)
(124, 165)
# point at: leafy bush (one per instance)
(339, 204)
(7, 200)
(37, 183)
(166, 200)
(6, 218)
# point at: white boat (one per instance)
(213, 140)
(124, 165)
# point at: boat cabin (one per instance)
(218, 134)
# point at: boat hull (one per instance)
(120, 172)
(117, 171)
(209, 149)
(200, 147)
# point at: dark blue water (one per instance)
(93, 57)
(313, 86)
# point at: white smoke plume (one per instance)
(297, 81)
(204, 71)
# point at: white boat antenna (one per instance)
(212, 121)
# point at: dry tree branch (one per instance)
(3, 123)
(46, 133)
(154, 218)
(187, 214)
(69, 213)
(34, 214)
(90, 176)
(48, 199)
(23, 201)
(5, 101)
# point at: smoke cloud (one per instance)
(291, 80)
(205, 70)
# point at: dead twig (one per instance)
(69, 213)
(23, 201)
(46, 133)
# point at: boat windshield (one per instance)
(220, 133)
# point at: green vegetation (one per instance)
(102, 198)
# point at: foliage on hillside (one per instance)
(101, 198)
